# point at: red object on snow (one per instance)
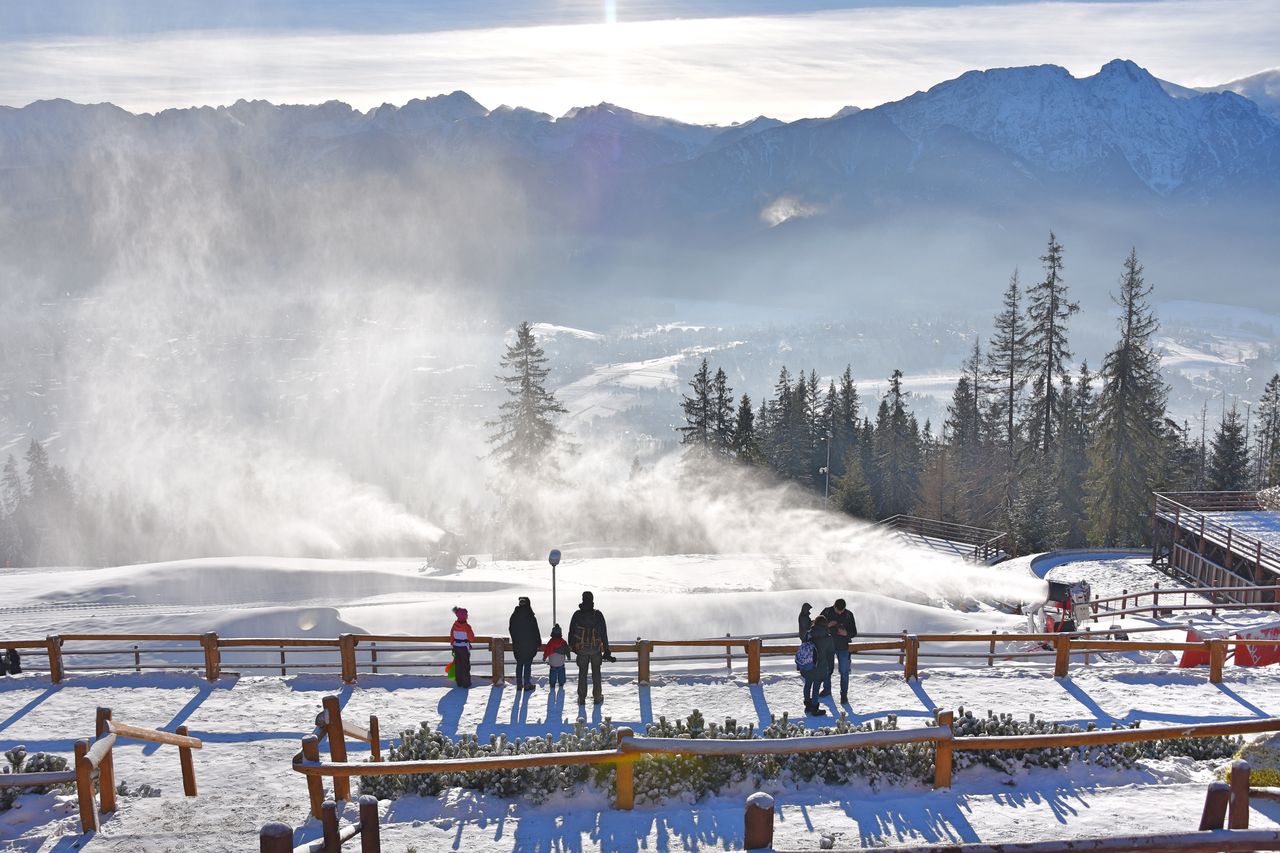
(1247, 655)
(1194, 657)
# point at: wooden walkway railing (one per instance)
(976, 544)
(1192, 544)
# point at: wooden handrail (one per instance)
(153, 736)
(31, 780)
(98, 751)
(1106, 736)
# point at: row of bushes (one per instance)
(664, 778)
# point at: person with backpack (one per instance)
(813, 661)
(554, 654)
(589, 640)
(806, 621)
(526, 639)
(843, 628)
(461, 637)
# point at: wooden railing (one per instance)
(1224, 803)
(631, 747)
(1183, 519)
(94, 762)
(977, 544)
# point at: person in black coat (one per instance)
(822, 653)
(843, 628)
(589, 640)
(806, 621)
(526, 640)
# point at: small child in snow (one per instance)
(555, 653)
(461, 637)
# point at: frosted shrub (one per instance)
(1270, 498)
(20, 762)
(684, 778)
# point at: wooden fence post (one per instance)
(329, 827)
(347, 653)
(625, 789)
(188, 766)
(1062, 662)
(1155, 600)
(943, 757)
(84, 788)
(315, 784)
(643, 650)
(212, 656)
(1238, 816)
(991, 653)
(498, 654)
(53, 646)
(1217, 658)
(754, 647)
(370, 832)
(375, 739)
(757, 829)
(911, 666)
(728, 654)
(337, 746)
(275, 838)
(1215, 806)
(106, 768)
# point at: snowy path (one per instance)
(251, 728)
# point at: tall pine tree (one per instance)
(1007, 365)
(897, 453)
(525, 433)
(1047, 351)
(1229, 455)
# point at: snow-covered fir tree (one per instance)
(525, 432)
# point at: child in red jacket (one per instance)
(555, 653)
(461, 637)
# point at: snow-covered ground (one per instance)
(251, 726)
(1264, 526)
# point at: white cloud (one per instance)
(709, 69)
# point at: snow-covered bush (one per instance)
(20, 762)
(1270, 498)
(686, 778)
(1263, 756)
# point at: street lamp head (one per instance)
(554, 557)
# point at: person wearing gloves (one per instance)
(555, 653)
(461, 637)
(525, 640)
(589, 640)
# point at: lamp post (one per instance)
(554, 559)
(825, 471)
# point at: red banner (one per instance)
(1247, 655)
(1194, 657)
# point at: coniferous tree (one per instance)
(1071, 464)
(1267, 440)
(1229, 455)
(1007, 364)
(525, 432)
(1127, 451)
(897, 453)
(1047, 350)
(1035, 517)
(12, 496)
(850, 492)
(846, 422)
(699, 414)
(745, 447)
(722, 414)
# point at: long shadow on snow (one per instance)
(28, 708)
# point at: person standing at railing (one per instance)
(554, 654)
(526, 639)
(806, 621)
(843, 628)
(589, 640)
(461, 638)
(820, 637)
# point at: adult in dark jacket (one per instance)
(526, 640)
(806, 621)
(822, 650)
(843, 628)
(589, 640)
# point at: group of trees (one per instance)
(1056, 457)
(38, 511)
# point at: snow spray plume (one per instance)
(675, 506)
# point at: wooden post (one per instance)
(1215, 806)
(911, 667)
(106, 768)
(84, 788)
(373, 657)
(370, 832)
(728, 655)
(942, 760)
(212, 656)
(53, 646)
(347, 651)
(754, 647)
(275, 838)
(643, 649)
(337, 746)
(188, 766)
(375, 740)
(497, 653)
(329, 827)
(757, 830)
(1217, 658)
(1086, 651)
(137, 659)
(991, 653)
(1061, 663)
(1155, 599)
(625, 791)
(1238, 815)
(315, 785)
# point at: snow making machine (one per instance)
(1066, 607)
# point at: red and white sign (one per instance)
(1249, 655)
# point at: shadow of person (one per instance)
(761, 705)
(449, 709)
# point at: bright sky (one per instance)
(698, 60)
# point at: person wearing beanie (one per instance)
(806, 621)
(525, 640)
(554, 654)
(823, 652)
(461, 637)
(589, 640)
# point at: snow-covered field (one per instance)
(1264, 526)
(251, 726)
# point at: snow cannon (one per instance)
(1066, 607)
